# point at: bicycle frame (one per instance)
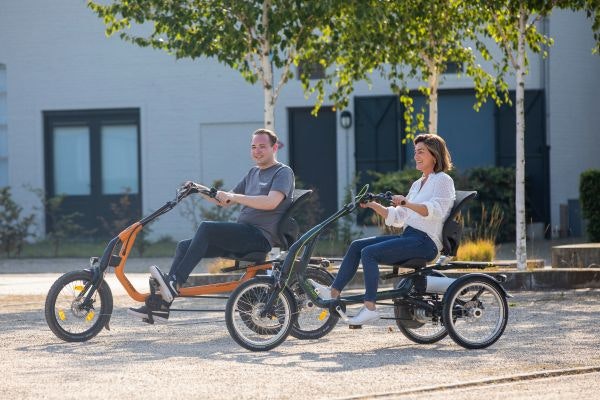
(119, 248)
(300, 252)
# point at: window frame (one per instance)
(94, 119)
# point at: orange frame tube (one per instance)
(128, 237)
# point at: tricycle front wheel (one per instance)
(69, 315)
(245, 320)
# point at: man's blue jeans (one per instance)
(216, 239)
(390, 249)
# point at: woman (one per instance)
(421, 212)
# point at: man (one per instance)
(265, 193)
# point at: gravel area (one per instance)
(193, 356)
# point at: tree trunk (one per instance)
(521, 241)
(433, 81)
(269, 111)
(267, 69)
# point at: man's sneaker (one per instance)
(168, 286)
(323, 291)
(161, 315)
(364, 316)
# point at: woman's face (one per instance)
(424, 159)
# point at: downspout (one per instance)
(545, 71)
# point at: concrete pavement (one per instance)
(194, 357)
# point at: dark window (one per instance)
(453, 67)
(92, 158)
(313, 70)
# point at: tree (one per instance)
(435, 33)
(251, 36)
(411, 39)
(512, 25)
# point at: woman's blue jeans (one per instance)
(390, 249)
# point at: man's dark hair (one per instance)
(272, 136)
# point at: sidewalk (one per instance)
(541, 249)
(40, 273)
(536, 249)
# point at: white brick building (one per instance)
(64, 85)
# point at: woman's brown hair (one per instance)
(438, 149)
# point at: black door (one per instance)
(92, 159)
(377, 135)
(313, 153)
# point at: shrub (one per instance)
(345, 227)
(193, 210)
(589, 187)
(495, 188)
(14, 228)
(122, 215)
(62, 225)
(398, 182)
(311, 212)
(486, 228)
(479, 250)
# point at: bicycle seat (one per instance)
(451, 235)
(287, 230)
(415, 263)
(254, 257)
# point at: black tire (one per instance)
(312, 322)
(475, 311)
(264, 333)
(70, 320)
(417, 324)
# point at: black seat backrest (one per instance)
(288, 229)
(452, 230)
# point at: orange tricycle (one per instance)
(80, 303)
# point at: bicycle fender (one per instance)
(315, 266)
(485, 277)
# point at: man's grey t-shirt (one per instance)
(257, 182)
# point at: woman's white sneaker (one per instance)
(364, 316)
(323, 291)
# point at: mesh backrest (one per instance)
(452, 230)
(288, 229)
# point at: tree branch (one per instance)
(504, 40)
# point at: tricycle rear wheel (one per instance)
(475, 312)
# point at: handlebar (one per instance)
(185, 190)
(387, 196)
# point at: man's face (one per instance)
(262, 151)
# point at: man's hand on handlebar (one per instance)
(224, 198)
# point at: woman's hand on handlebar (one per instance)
(398, 200)
(368, 204)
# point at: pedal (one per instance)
(342, 314)
(154, 302)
